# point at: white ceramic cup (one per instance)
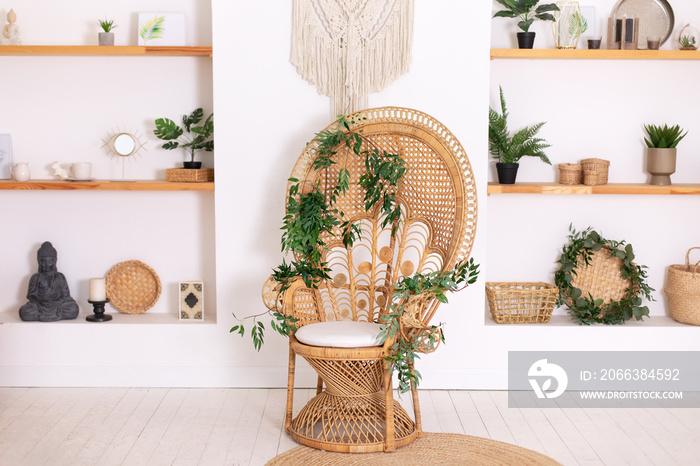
(81, 170)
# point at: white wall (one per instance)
(265, 113)
(272, 112)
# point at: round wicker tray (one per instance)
(601, 278)
(133, 287)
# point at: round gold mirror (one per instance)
(124, 144)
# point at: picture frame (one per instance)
(588, 13)
(191, 300)
(161, 29)
(5, 156)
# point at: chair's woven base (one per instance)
(350, 424)
(350, 415)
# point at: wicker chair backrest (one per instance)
(438, 199)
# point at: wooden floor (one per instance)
(121, 426)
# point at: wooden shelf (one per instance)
(585, 54)
(96, 50)
(610, 188)
(107, 185)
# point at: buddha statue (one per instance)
(10, 33)
(48, 295)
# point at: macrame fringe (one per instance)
(348, 57)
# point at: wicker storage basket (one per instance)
(595, 171)
(683, 291)
(521, 302)
(133, 287)
(570, 173)
(189, 174)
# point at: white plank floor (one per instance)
(137, 426)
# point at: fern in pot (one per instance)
(509, 148)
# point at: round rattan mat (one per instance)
(431, 449)
(133, 287)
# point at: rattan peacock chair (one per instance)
(336, 328)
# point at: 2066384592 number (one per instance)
(640, 374)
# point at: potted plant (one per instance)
(190, 137)
(106, 37)
(523, 10)
(509, 148)
(661, 152)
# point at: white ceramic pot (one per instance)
(20, 171)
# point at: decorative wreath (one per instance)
(576, 256)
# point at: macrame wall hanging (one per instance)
(351, 48)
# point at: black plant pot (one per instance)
(192, 164)
(507, 172)
(526, 40)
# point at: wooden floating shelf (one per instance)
(96, 50)
(585, 54)
(610, 188)
(106, 185)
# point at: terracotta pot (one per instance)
(661, 163)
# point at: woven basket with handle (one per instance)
(683, 291)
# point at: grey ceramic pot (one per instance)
(661, 164)
(106, 38)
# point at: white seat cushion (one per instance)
(343, 334)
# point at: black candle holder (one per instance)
(99, 310)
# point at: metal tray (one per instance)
(656, 18)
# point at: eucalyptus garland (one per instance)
(586, 309)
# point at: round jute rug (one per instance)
(431, 449)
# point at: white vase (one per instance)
(20, 171)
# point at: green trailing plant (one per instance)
(107, 24)
(152, 28)
(192, 136)
(507, 148)
(434, 285)
(666, 137)
(526, 12)
(586, 309)
(312, 215)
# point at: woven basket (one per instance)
(683, 291)
(570, 173)
(132, 287)
(189, 174)
(521, 303)
(601, 278)
(595, 171)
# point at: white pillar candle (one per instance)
(98, 289)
